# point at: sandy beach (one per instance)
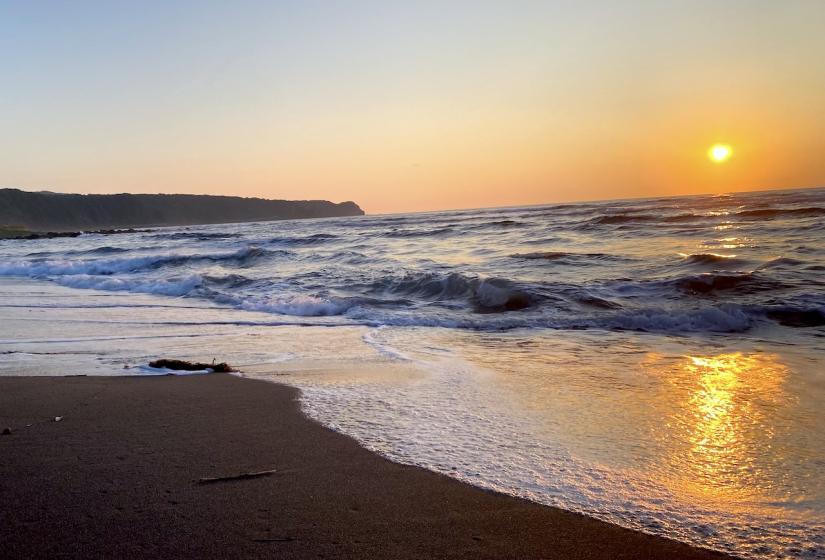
(119, 476)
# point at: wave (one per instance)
(727, 318)
(196, 235)
(347, 257)
(299, 305)
(499, 224)
(505, 224)
(712, 283)
(104, 251)
(644, 216)
(688, 217)
(176, 286)
(486, 295)
(498, 294)
(420, 232)
(714, 260)
(773, 213)
(724, 318)
(797, 317)
(562, 255)
(97, 251)
(208, 287)
(227, 281)
(543, 255)
(314, 239)
(67, 267)
(349, 274)
(483, 296)
(594, 301)
(624, 218)
(783, 262)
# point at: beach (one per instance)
(119, 476)
(412, 280)
(665, 376)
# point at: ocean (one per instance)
(657, 363)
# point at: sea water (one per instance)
(655, 363)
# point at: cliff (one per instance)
(53, 211)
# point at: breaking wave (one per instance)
(696, 274)
(176, 286)
(585, 266)
(299, 305)
(487, 295)
(65, 267)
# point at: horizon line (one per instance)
(464, 209)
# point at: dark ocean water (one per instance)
(681, 265)
(656, 363)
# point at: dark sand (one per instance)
(117, 477)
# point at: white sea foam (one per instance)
(174, 286)
(149, 370)
(383, 348)
(459, 423)
(66, 267)
(299, 305)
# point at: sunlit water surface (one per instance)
(658, 364)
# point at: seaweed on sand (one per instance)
(222, 367)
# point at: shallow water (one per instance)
(656, 363)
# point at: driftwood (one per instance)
(242, 476)
(222, 367)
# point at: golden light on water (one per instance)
(719, 153)
(725, 429)
(713, 404)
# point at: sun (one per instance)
(719, 153)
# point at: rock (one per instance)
(6, 431)
(58, 418)
(55, 234)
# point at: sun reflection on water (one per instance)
(724, 432)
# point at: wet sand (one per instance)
(119, 477)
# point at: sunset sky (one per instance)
(404, 106)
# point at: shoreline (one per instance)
(118, 476)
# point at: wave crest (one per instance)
(299, 306)
(714, 260)
(712, 283)
(773, 213)
(67, 267)
(486, 295)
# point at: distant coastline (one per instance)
(46, 211)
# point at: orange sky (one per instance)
(424, 107)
